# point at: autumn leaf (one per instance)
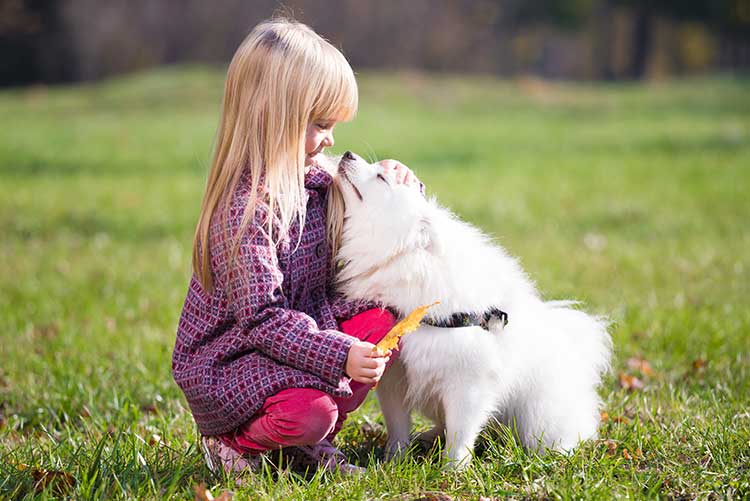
(150, 408)
(637, 454)
(46, 331)
(611, 446)
(203, 494)
(60, 483)
(630, 382)
(641, 366)
(435, 496)
(408, 324)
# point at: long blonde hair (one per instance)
(282, 77)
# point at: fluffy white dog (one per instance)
(531, 364)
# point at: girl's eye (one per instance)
(323, 126)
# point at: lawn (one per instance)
(631, 198)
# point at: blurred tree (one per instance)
(33, 43)
(59, 41)
(727, 18)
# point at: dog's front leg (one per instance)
(392, 397)
(465, 416)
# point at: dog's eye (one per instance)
(382, 178)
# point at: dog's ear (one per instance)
(428, 238)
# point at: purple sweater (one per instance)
(271, 322)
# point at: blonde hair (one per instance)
(282, 77)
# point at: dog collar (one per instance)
(462, 319)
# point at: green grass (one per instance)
(632, 198)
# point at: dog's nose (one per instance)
(348, 156)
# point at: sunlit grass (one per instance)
(632, 198)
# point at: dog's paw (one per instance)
(396, 450)
(426, 440)
(457, 460)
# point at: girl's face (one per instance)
(319, 135)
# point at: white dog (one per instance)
(531, 364)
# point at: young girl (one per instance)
(267, 356)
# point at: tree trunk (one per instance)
(641, 48)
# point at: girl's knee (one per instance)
(309, 416)
(370, 325)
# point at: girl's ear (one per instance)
(428, 238)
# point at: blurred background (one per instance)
(71, 40)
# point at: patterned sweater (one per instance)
(271, 322)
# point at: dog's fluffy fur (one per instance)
(538, 374)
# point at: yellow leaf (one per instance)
(408, 324)
(203, 494)
(59, 482)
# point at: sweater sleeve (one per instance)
(252, 283)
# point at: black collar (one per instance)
(467, 319)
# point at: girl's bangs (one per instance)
(338, 96)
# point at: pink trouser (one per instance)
(305, 416)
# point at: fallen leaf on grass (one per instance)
(111, 324)
(699, 365)
(605, 417)
(697, 369)
(46, 331)
(408, 324)
(629, 412)
(611, 446)
(150, 408)
(640, 365)
(432, 496)
(203, 494)
(638, 454)
(637, 335)
(85, 412)
(59, 482)
(630, 382)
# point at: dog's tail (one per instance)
(588, 333)
(562, 303)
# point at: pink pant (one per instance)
(305, 416)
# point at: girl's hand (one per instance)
(364, 366)
(403, 173)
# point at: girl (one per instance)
(266, 355)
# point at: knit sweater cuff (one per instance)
(336, 353)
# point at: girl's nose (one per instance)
(328, 140)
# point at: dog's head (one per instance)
(383, 220)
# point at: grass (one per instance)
(632, 198)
